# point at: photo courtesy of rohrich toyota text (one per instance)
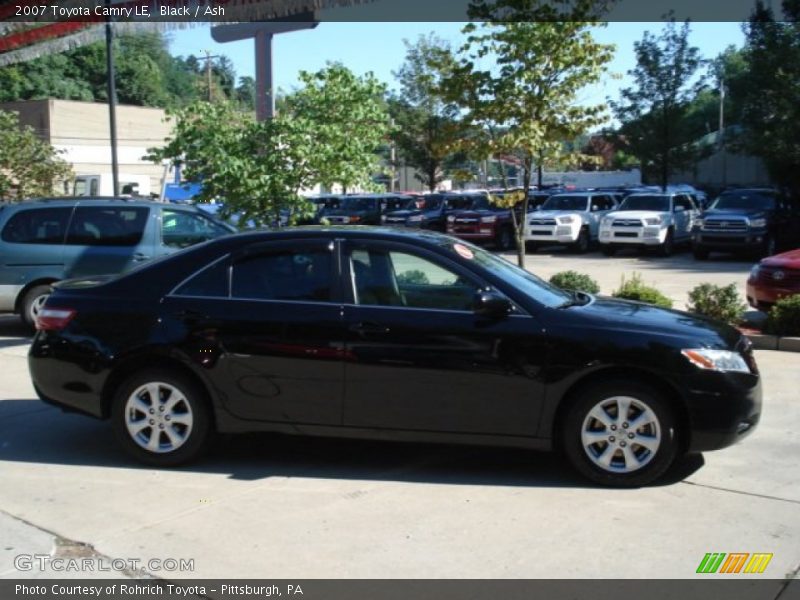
(335, 299)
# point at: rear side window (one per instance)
(107, 225)
(37, 226)
(211, 282)
(303, 275)
(180, 229)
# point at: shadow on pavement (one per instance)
(13, 332)
(31, 432)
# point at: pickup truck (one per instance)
(752, 221)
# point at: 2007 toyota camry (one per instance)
(379, 333)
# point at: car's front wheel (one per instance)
(161, 418)
(620, 433)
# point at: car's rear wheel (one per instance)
(32, 303)
(620, 433)
(161, 418)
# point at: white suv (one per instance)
(571, 219)
(655, 220)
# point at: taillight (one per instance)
(54, 319)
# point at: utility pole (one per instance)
(208, 58)
(721, 139)
(111, 88)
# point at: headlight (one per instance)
(698, 222)
(568, 219)
(755, 271)
(383, 218)
(654, 221)
(758, 223)
(416, 219)
(451, 219)
(716, 360)
(491, 219)
(606, 221)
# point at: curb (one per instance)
(774, 342)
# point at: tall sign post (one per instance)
(263, 33)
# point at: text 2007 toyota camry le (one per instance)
(380, 333)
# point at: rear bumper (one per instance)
(723, 409)
(73, 385)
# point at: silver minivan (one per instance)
(46, 240)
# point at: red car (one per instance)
(774, 278)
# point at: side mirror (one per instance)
(491, 304)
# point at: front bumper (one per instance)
(554, 234)
(762, 297)
(635, 236)
(723, 409)
(729, 241)
(472, 233)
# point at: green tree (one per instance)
(770, 92)
(427, 128)
(257, 168)
(246, 93)
(28, 166)
(518, 81)
(654, 111)
(350, 122)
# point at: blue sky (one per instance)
(378, 47)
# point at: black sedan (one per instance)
(380, 333)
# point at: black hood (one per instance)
(752, 213)
(626, 318)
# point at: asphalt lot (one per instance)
(278, 507)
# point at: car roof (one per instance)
(346, 231)
(70, 200)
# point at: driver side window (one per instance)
(393, 278)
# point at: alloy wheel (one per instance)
(158, 417)
(621, 434)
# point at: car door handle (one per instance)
(139, 257)
(368, 327)
(190, 315)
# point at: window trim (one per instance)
(259, 248)
(441, 260)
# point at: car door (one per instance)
(273, 329)
(419, 359)
(108, 239)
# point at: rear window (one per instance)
(37, 226)
(107, 226)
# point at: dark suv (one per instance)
(754, 221)
(46, 240)
(428, 212)
(364, 209)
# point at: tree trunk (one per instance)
(520, 225)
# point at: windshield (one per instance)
(470, 202)
(400, 203)
(520, 279)
(566, 203)
(656, 203)
(745, 201)
(358, 204)
(430, 203)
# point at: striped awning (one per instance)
(25, 36)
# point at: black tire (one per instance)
(197, 436)
(609, 250)
(700, 252)
(505, 239)
(581, 246)
(668, 247)
(770, 247)
(654, 463)
(31, 302)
